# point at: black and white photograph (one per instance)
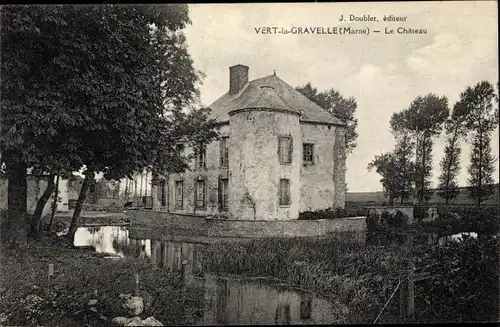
(213, 164)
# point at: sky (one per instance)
(383, 72)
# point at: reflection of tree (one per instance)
(222, 294)
(282, 316)
(305, 306)
(94, 229)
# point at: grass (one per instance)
(81, 275)
(339, 268)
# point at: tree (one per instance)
(405, 165)
(481, 119)
(450, 164)
(337, 105)
(85, 81)
(396, 169)
(387, 167)
(423, 120)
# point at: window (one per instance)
(285, 150)
(223, 192)
(200, 193)
(224, 152)
(284, 192)
(179, 194)
(308, 153)
(163, 194)
(200, 153)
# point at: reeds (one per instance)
(339, 267)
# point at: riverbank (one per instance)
(82, 276)
(339, 268)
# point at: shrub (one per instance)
(464, 283)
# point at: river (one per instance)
(227, 300)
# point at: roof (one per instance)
(271, 92)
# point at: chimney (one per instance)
(238, 77)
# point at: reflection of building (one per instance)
(229, 302)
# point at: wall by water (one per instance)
(198, 225)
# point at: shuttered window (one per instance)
(285, 149)
(223, 193)
(224, 152)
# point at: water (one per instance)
(226, 301)
(455, 238)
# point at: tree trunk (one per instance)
(54, 203)
(14, 229)
(79, 204)
(480, 183)
(37, 215)
(422, 177)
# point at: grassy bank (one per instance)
(26, 298)
(339, 268)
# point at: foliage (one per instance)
(339, 267)
(450, 164)
(24, 274)
(337, 105)
(481, 169)
(386, 166)
(105, 87)
(386, 228)
(480, 120)
(453, 221)
(396, 169)
(464, 282)
(330, 213)
(422, 120)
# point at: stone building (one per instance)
(279, 154)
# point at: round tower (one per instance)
(265, 156)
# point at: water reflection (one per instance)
(226, 301)
(233, 302)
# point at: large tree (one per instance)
(448, 187)
(481, 119)
(423, 120)
(340, 107)
(91, 82)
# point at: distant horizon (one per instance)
(432, 189)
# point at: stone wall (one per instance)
(255, 167)
(339, 168)
(164, 219)
(316, 181)
(210, 174)
(201, 226)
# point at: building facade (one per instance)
(278, 154)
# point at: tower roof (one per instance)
(271, 92)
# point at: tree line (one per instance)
(102, 88)
(407, 170)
